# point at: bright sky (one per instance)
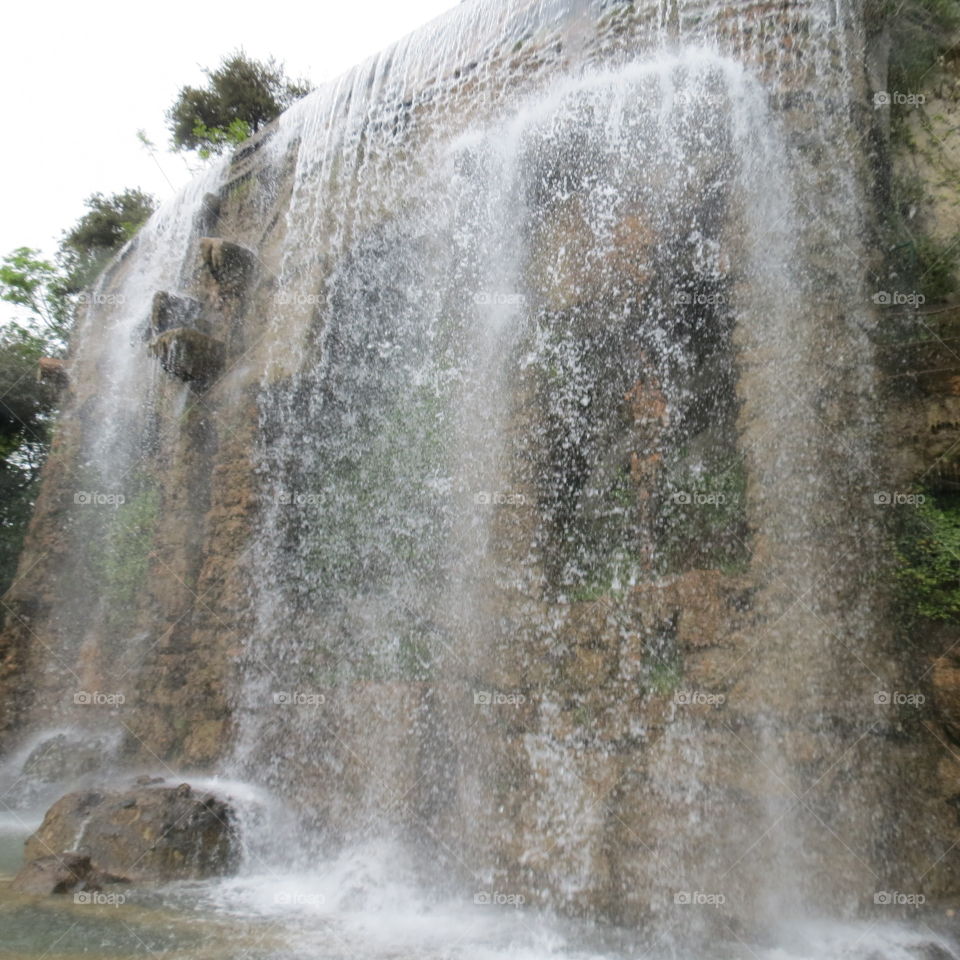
(82, 77)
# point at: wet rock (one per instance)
(188, 354)
(229, 265)
(146, 833)
(169, 312)
(62, 757)
(946, 692)
(147, 781)
(61, 873)
(51, 371)
(570, 267)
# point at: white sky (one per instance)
(82, 77)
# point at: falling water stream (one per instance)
(540, 354)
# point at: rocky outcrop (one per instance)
(946, 691)
(170, 312)
(151, 832)
(52, 371)
(64, 757)
(188, 354)
(228, 265)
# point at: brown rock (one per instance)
(61, 873)
(946, 693)
(147, 833)
(169, 312)
(51, 370)
(188, 354)
(229, 265)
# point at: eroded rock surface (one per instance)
(61, 873)
(188, 354)
(151, 832)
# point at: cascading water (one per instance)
(559, 419)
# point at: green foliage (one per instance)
(26, 409)
(607, 558)
(241, 96)
(109, 223)
(217, 139)
(37, 287)
(916, 261)
(920, 32)
(934, 263)
(664, 676)
(702, 522)
(32, 286)
(928, 558)
(25, 402)
(124, 555)
(699, 523)
(19, 482)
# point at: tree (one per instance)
(241, 96)
(35, 287)
(109, 223)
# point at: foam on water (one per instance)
(367, 904)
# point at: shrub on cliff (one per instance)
(26, 410)
(928, 556)
(33, 289)
(108, 224)
(241, 96)
(920, 32)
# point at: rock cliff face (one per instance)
(488, 455)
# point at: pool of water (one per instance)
(361, 907)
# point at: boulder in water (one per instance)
(61, 873)
(151, 832)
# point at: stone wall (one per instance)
(666, 794)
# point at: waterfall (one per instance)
(518, 552)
